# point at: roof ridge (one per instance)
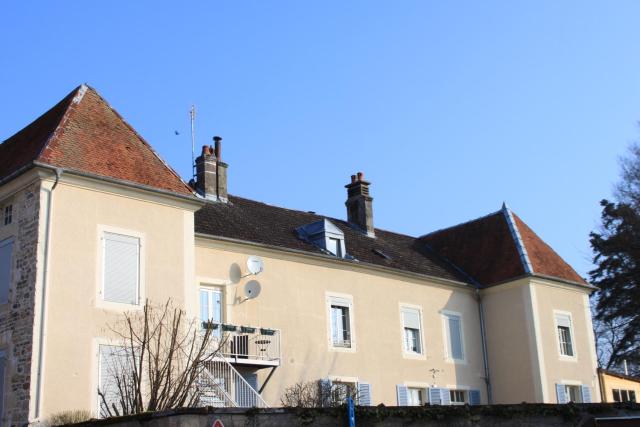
(137, 135)
(459, 224)
(517, 238)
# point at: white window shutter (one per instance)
(325, 392)
(402, 394)
(364, 394)
(121, 268)
(112, 362)
(435, 396)
(561, 393)
(6, 252)
(563, 320)
(586, 394)
(455, 337)
(445, 395)
(411, 318)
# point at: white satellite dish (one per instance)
(254, 264)
(252, 289)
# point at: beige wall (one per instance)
(550, 298)
(510, 344)
(76, 318)
(609, 382)
(293, 299)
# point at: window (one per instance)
(121, 268)
(564, 334)
(458, 397)
(341, 390)
(114, 365)
(620, 395)
(341, 322)
(211, 308)
(411, 330)
(573, 393)
(6, 253)
(415, 396)
(453, 328)
(334, 246)
(8, 214)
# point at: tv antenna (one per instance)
(192, 115)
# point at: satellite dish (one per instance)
(254, 264)
(252, 289)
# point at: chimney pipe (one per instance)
(360, 204)
(211, 172)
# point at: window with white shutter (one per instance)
(453, 332)
(121, 268)
(114, 371)
(412, 330)
(565, 334)
(6, 254)
(340, 313)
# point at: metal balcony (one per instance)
(246, 345)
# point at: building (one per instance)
(615, 387)
(94, 223)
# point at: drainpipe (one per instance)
(483, 337)
(45, 270)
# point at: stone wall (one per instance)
(17, 318)
(430, 416)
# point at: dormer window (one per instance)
(325, 235)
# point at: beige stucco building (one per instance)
(93, 223)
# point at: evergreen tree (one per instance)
(617, 258)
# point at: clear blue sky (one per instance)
(448, 107)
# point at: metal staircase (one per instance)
(221, 385)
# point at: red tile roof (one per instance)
(497, 248)
(83, 133)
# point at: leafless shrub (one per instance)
(315, 394)
(156, 361)
(68, 417)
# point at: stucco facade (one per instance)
(485, 329)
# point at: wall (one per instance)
(17, 316)
(581, 369)
(76, 319)
(609, 382)
(503, 416)
(512, 363)
(293, 299)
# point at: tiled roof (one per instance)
(83, 133)
(252, 221)
(497, 248)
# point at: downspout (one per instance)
(483, 337)
(45, 271)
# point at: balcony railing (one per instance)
(246, 345)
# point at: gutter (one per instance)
(45, 274)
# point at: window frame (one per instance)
(100, 271)
(338, 299)
(446, 314)
(463, 392)
(6, 242)
(210, 289)
(421, 354)
(556, 315)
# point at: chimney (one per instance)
(359, 204)
(211, 172)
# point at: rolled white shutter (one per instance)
(411, 318)
(563, 320)
(121, 268)
(6, 250)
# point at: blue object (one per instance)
(352, 412)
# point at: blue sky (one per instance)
(449, 107)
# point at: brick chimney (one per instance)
(211, 172)
(359, 204)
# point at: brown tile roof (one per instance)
(83, 133)
(253, 221)
(497, 248)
